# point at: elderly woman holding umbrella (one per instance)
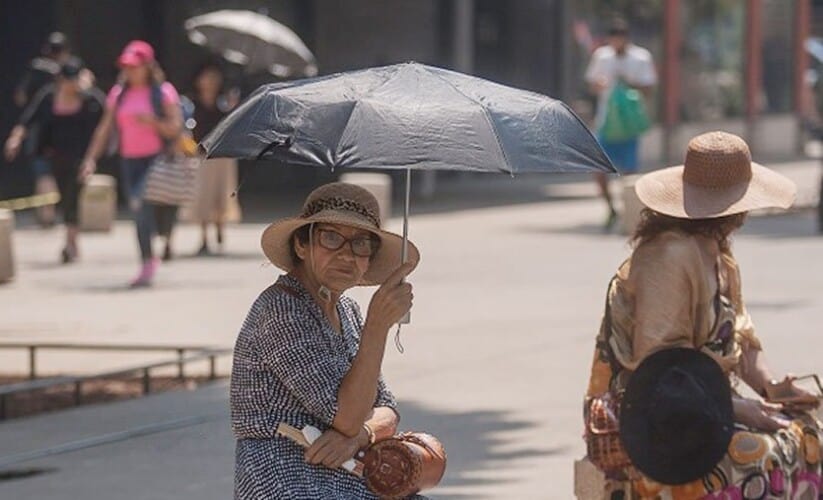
(306, 356)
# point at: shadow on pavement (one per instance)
(473, 442)
(778, 305)
(589, 229)
(256, 255)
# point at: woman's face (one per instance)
(209, 81)
(336, 256)
(137, 75)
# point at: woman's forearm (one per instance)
(755, 372)
(168, 128)
(358, 390)
(18, 133)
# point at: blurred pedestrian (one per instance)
(145, 110)
(40, 72)
(215, 202)
(615, 67)
(66, 115)
(812, 104)
(681, 289)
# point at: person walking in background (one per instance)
(40, 72)
(214, 202)
(145, 109)
(620, 66)
(812, 99)
(66, 116)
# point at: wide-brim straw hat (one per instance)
(717, 179)
(346, 204)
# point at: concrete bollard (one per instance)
(6, 251)
(98, 203)
(632, 206)
(377, 184)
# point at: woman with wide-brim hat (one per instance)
(681, 289)
(306, 356)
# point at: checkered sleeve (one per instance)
(301, 359)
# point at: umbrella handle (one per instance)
(404, 256)
(404, 252)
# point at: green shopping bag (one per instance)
(626, 116)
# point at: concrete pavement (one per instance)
(508, 300)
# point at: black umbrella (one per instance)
(407, 116)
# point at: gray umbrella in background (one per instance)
(255, 41)
(407, 116)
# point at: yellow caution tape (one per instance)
(34, 201)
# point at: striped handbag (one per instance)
(172, 180)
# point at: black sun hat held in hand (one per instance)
(676, 418)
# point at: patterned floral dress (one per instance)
(665, 296)
(288, 365)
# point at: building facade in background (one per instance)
(731, 64)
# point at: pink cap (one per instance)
(136, 53)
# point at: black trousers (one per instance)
(165, 217)
(65, 170)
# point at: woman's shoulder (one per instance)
(93, 97)
(45, 94)
(669, 252)
(280, 297)
(114, 95)
(276, 312)
(170, 94)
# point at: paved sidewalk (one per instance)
(508, 300)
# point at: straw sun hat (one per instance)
(339, 203)
(717, 179)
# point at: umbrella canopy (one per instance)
(255, 41)
(408, 116)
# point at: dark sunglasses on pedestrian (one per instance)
(361, 246)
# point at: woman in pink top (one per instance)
(146, 111)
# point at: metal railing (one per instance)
(34, 347)
(144, 370)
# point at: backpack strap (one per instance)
(157, 100)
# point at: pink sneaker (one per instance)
(146, 273)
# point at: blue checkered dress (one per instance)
(288, 365)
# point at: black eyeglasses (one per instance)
(361, 246)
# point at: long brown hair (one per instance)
(654, 223)
(156, 75)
